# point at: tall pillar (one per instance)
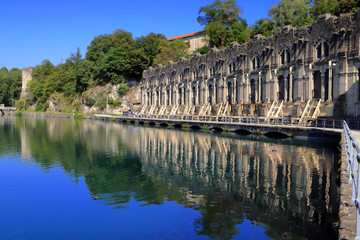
(322, 86)
(330, 80)
(234, 101)
(214, 95)
(311, 84)
(259, 87)
(247, 92)
(197, 94)
(290, 85)
(155, 97)
(286, 82)
(206, 97)
(190, 95)
(275, 86)
(257, 90)
(225, 90)
(170, 97)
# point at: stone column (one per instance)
(275, 86)
(286, 82)
(190, 95)
(259, 87)
(330, 80)
(197, 94)
(235, 92)
(247, 92)
(311, 85)
(170, 97)
(322, 86)
(290, 85)
(214, 96)
(225, 90)
(256, 90)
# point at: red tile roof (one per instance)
(186, 35)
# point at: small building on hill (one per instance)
(195, 40)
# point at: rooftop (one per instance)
(186, 35)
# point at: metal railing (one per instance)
(288, 121)
(353, 158)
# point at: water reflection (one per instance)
(289, 187)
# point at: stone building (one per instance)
(26, 78)
(195, 40)
(315, 67)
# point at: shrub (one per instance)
(114, 102)
(123, 89)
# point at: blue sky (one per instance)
(34, 30)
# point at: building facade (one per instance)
(195, 40)
(296, 66)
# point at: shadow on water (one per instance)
(287, 185)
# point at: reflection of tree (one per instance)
(225, 177)
(108, 167)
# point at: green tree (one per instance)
(10, 85)
(43, 82)
(287, 12)
(348, 6)
(264, 26)
(172, 51)
(291, 12)
(223, 23)
(151, 45)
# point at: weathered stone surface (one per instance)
(320, 61)
(26, 78)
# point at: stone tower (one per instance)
(26, 78)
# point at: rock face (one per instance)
(26, 78)
(320, 61)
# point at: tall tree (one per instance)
(287, 12)
(171, 52)
(223, 23)
(291, 12)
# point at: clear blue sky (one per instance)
(34, 30)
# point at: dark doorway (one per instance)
(168, 99)
(252, 91)
(326, 85)
(210, 94)
(281, 88)
(317, 84)
(230, 93)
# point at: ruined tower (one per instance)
(26, 78)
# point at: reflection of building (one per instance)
(268, 182)
(195, 40)
(295, 66)
(267, 177)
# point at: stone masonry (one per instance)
(296, 66)
(26, 78)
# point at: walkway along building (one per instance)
(302, 73)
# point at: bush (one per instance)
(22, 104)
(123, 89)
(41, 107)
(114, 102)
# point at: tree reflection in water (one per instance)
(287, 186)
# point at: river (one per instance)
(88, 179)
